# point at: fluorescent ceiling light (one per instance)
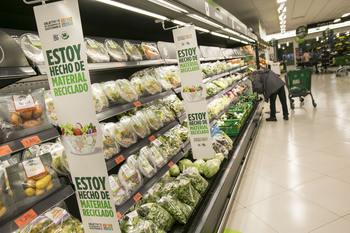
(134, 9)
(220, 35)
(204, 20)
(247, 38)
(279, 46)
(178, 22)
(231, 38)
(337, 20)
(280, 1)
(282, 16)
(283, 22)
(280, 8)
(201, 29)
(287, 44)
(169, 6)
(230, 31)
(345, 15)
(244, 42)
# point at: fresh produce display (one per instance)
(142, 130)
(197, 181)
(212, 89)
(124, 136)
(81, 139)
(175, 104)
(185, 163)
(154, 122)
(110, 89)
(130, 176)
(171, 74)
(174, 170)
(57, 151)
(161, 78)
(179, 210)
(162, 146)
(115, 51)
(152, 153)
(50, 108)
(55, 220)
(126, 91)
(95, 51)
(150, 50)
(133, 223)
(212, 166)
(31, 46)
(110, 145)
(99, 97)
(186, 193)
(132, 51)
(120, 191)
(146, 166)
(156, 214)
(182, 132)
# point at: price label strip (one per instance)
(26, 218)
(27, 142)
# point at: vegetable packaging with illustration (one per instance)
(81, 139)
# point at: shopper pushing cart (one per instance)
(299, 85)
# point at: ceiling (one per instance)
(299, 12)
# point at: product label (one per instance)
(34, 40)
(120, 127)
(26, 218)
(4, 164)
(157, 142)
(114, 185)
(92, 44)
(27, 142)
(111, 44)
(155, 152)
(56, 215)
(34, 168)
(128, 171)
(23, 103)
(137, 122)
(152, 116)
(132, 214)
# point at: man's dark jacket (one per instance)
(267, 82)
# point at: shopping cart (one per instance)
(299, 85)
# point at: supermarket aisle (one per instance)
(298, 176)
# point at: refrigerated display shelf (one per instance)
(208, 214)
(16, 72)
(60, 195)
(115, 109)
(29, 140)
(124, 154)
(148, 183)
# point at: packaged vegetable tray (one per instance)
(154, 122)
(56, 220)
(132, 51)
(57, 151)
(124, 136)
(50, 108)
(114, 50)
(30, 152)
(95, 51)
(31, 46)
(130, 176)
(150, 50)
(110, 89)
(163, 147)
(146, 166)
(161, 78)
(110, 145)
(126, 91)
(154, 155)
(140, 128)
(120, 192)
(99, 97)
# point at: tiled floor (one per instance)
(298, 175)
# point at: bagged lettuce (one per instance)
(133, 223)
(197, 181)
(179, 210)
(132, 51)
(156, 214)
(212, 166)
(186, 192)
(120, 191)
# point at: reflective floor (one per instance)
(298, 175)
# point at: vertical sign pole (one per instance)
(63, 46)
(193, 92)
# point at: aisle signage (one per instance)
(63, 46)
(193, 91)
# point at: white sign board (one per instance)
(63, 46)
(193, 92)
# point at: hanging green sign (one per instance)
(299, 40)
(301, 31)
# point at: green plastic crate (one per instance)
(231, 127)
(299, 81)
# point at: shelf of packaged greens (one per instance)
(114, 65)
(20, 220)
(220, 93)
(115, 109)
(205, 217)
(124, 154)
(29, 140)
(148, 183)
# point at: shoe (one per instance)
(271, 119)
(286, 118)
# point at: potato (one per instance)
(31, 123)
(37, 113)
(49, 186)
(29, 192)
(39, 192)
(30, 183)
(16, 119)
(2, 211)
(27, 115)
(43, 182)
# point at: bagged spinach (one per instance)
(197, 181)
(179, 210)
(186, 193)
(133, 223)
(156, 214)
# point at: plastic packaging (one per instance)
(57, 151)
(180, 211)
(146, 166)
(154, 122)
(120, 191)
(197, 181)
(182, 132)
(159, 74)
(156, 214)
(153, 154)
(141, 129)
(110, 145)
(56, 220)
(64, 161)
(175, 104)
(100, 98)
(44, 148)
(186, 192)
(132, 51)
(110, 89)
(150, 50)
(137, 84)
(163, 148)
(95, 51)
(126, 91)
(172, 74)
(124, 136)
(31, 46)
(115, 51)
(132, 223)
(130, 176)
(50, 108)
(30, 152)
(132, 161)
